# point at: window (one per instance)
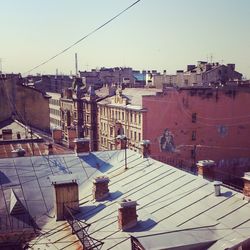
(194, 117)
(139, 136)
(131, 135)
(123, 116)
(135, 136)
(135, 118)
(193, 135)
(139, 119)
(111, 131)
(131, 117)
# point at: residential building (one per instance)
(122, 114)
(69, 108)
(26, 104)
(109, 76)
(91, 202)
(54, 110)
(203, 74)
(189, 124)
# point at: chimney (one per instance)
(246, 189)
(66, 195)
(145, 148)
(81, 145)
(127, 217)
(206, 169)
(7, 134)
(121, 142)
(50, 148)
(217, 188)
(71, 132)
(57, 135)
(100, 188)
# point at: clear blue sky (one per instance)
(154, 34)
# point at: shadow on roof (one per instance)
(227, 194)
(96, 162)
(143, 225)
(3, 178)
(86, 212)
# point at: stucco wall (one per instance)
(221, 131)
(24, 103)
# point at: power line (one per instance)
(83, 38)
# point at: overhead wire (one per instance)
(84, 37)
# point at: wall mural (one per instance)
(166, 142)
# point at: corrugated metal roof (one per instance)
(171, 202)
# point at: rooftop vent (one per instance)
(217, 188)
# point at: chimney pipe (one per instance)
(246, 189)
(145, 148)
(127, 217)
(100, 188)
(217, 188)
(206, 169)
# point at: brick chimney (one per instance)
(145, 148)
(81, 145)
(57, 135)
(100, 188)
(66, 194)
(206, 169)
(121, 142)
(50, 148)
(246, 189)
(127, 217)
(71, 137)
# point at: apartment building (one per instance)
(203, 73)
(54, 110)
(122, 114)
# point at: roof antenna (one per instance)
(76, 64)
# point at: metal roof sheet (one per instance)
(169, 199)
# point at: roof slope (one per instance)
(172, 203)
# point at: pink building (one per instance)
(188, 125)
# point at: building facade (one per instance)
(203, 73)
(122, 114)
(191, 124)
(54, 110)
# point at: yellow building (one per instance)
(122, 114)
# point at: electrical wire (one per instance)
(84, 37)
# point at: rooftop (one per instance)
(173, 204)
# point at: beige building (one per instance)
(54, 110)
(122, 114)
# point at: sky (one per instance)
(154, 34)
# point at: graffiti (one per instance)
(222, 130)
(166, 142)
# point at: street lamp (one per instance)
(125, 139)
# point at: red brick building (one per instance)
(191, 124)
